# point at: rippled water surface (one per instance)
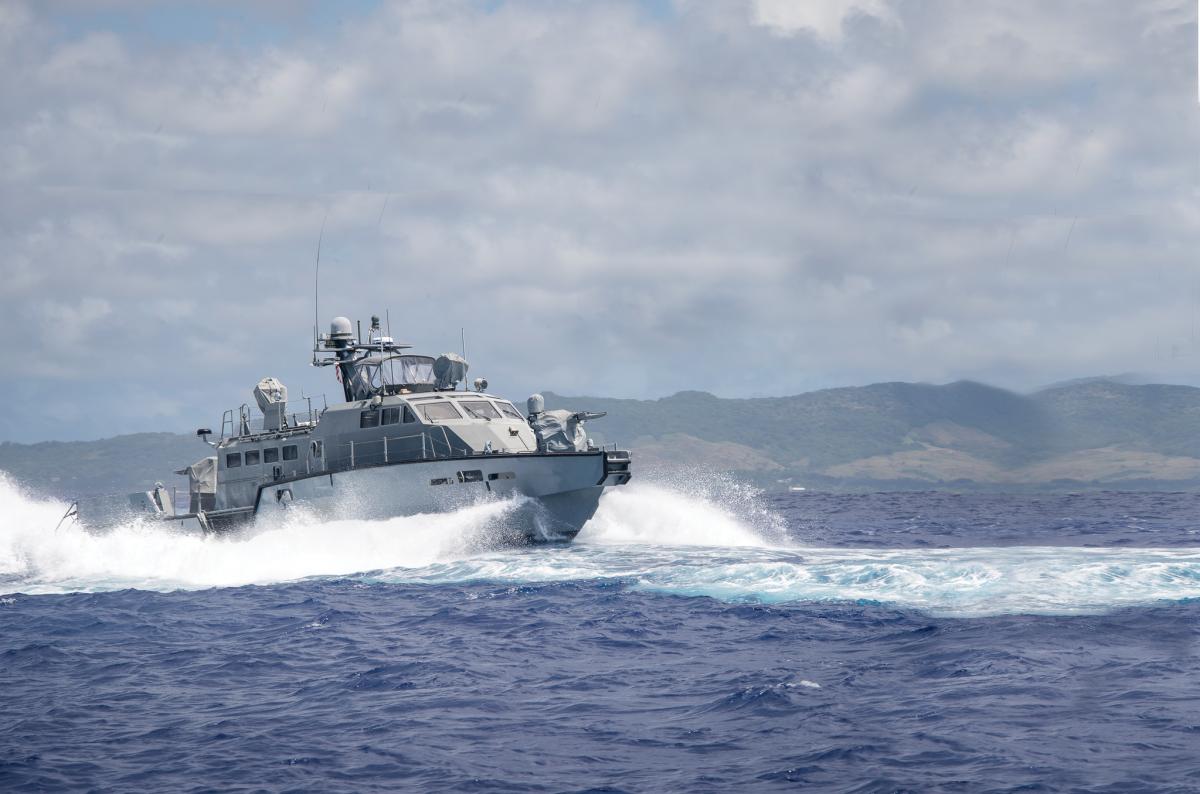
(693, 638)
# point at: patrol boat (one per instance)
(406, 440)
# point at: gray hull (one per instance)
(554, 495)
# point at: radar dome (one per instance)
(341, 328)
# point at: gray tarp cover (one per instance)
(271, 396)
(202, 476)
(560, 431)
(449, 369)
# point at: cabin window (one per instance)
(392, 416)
(502, 475)
(440, 481)
(368, 419)
(271, 455)
(508, 410)
(481, 409)
(233, 460)
(290, 452)
(475, 475)
(252, 457)
(436, 412)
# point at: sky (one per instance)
(629, 199)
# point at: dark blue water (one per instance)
(895, 642)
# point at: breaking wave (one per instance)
(718, 544)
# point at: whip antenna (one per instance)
(391, 373)
(316, 282)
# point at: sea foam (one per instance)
(716, 543)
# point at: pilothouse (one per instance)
(408, 438)
(378, 367)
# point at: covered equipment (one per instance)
(271, 396)
(449, 369)
(562, 431)
(202, 484)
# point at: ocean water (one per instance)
(697, 636)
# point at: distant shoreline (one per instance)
(1089, 435)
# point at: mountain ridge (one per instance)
(964, 434)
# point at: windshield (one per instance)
(375, 371)
(438, 411)
(414, 369)
(508, 410)
(481, 409)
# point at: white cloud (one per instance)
(924, 334)
(826, 18)
(66, 326)
(610, 201)
(15, 21)
(275, 93)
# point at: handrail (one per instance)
(72, 511)
(296, 414)
(387, 450)
(392, 449)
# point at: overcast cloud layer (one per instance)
(622, 199)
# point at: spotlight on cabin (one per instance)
(480, 384)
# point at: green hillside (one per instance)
(111, 465)
(890, 434)
(1158, 418)
(834, 425)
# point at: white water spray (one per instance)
(658, 515)
(36, 558)
(654, 538)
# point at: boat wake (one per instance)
(716, 543)
(37, 558)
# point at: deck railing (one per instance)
(431, 443)
(296, 413)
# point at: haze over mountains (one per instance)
(1089, 433)
(1092, 432)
